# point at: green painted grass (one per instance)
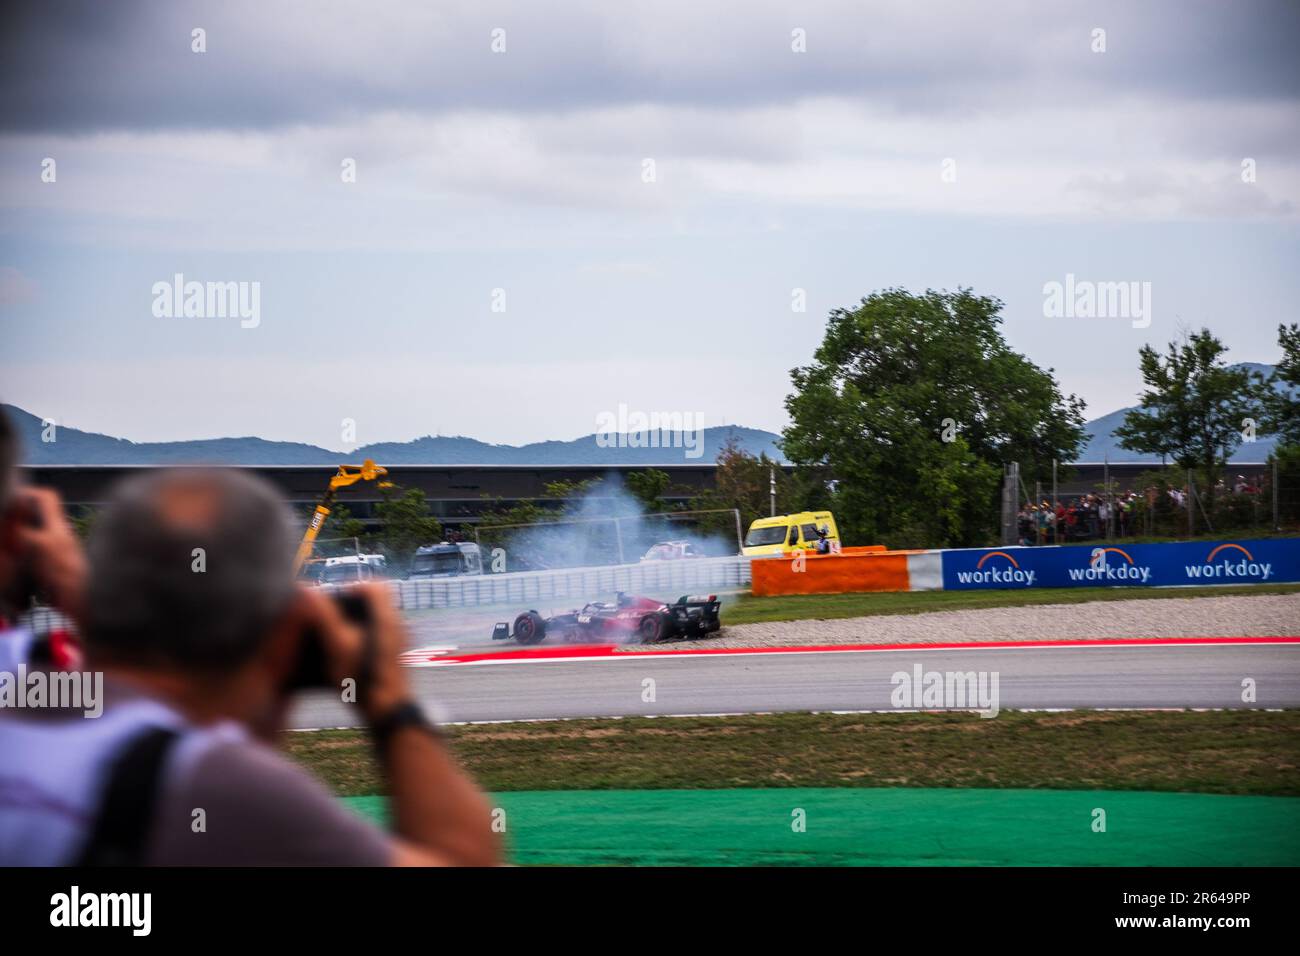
(748, 609)
(891, 827)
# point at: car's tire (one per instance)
(652, 628)
(530, 628)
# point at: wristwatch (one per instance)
(408, 713)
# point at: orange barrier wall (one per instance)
(856, 570)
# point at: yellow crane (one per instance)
(347, 476)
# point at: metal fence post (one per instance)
(1010, 498)
(1056, 530)
(1277, 517)
(1105, 495)
(1040, 537)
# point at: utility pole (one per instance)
(771, 477)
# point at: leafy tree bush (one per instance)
(913, 404)
(1194, 408)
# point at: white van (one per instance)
(354, 567)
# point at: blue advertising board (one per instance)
(1135, 565)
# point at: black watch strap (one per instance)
(406, 714)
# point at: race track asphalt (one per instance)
(1171, 676)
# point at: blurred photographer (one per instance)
(192, 615)
(39, 556)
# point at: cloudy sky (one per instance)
(914, 144)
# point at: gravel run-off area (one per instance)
(1266, 615)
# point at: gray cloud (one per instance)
(83, 66)
(522, 171)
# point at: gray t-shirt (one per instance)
(259, 809)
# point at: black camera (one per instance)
(311, 672)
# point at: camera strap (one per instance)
(126, 811)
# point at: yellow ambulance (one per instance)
(781, 533)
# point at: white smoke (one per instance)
(606, 526)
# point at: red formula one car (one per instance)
(628, 619)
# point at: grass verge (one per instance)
(747, 609)
(1225, 752)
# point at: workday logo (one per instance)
(998, 572)
(1102, 567)
(1236, 562)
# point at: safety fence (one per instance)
(1241, 500)
(664, 579)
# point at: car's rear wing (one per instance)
(699, 606)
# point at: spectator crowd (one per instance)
(1091, 517)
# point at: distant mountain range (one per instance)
(76, 447)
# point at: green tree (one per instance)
(1194, 408)
(1282, 402)
(912, 404)
(407, 525)
(553, 506)
(83, 520)
(648, 487)
(341, 523)
(1282, 410)
(743, 481)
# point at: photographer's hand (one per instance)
(51, 549)
(381, 681)
(386, 682)
(440, 814)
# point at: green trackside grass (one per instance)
(747, 609)
(1220, 752)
